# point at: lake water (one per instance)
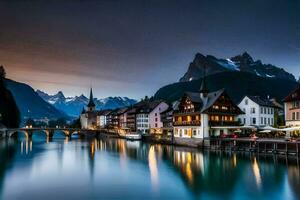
(120, 169)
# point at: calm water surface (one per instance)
(119, 169)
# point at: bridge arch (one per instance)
(46, 132)
(64, 132)
(13, 133)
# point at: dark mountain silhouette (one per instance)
(241, 63)
(30, 104)
(237, 84)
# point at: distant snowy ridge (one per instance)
(74, 105)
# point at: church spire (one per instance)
(91, 105)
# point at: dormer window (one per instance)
(224, 108)
(246, 102)
(216, 107)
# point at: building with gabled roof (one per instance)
(203, 114)
(258, 111)
(292, 108)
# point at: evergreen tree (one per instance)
(9, 112)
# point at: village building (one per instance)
(167, 121)
(102, 118)
(131, 119)
(148, 119)
(292, 108)
(204, 114)
(88, 118)
(258, 111)
(122, 117)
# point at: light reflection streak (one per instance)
(22, 148)
(256, 171)
(153, 167)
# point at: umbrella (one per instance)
(270, 128)
(265, 131)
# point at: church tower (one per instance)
(91, 105)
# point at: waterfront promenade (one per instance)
(244, 144)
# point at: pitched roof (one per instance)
(262, 101)
(104, 112)
(294, 95)
(207, 101)
(148, 107)
(121, 111)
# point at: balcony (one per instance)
(224, 123)
(187, 123)
(185, 112)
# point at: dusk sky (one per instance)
(132, 48)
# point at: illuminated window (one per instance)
(189, 118)
(224, 108)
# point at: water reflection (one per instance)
(256, 172)
(153, 167)
(121, 167)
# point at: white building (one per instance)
(148, 118)
(258, 111)
(102, 118)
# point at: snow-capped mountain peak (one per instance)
(73, 105)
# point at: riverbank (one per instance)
(258, 145)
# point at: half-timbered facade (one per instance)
(204, 114)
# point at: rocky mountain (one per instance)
(236, 83)
(239, 63)
(73, 105)
(30, 104)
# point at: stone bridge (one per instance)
(49, 132)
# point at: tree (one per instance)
(299, 79)
(9, 112)
(2, 73)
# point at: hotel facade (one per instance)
(205, 114)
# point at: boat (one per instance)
(132, 136)
(126, 134)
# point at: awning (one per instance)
(265, 131)
(233, 127)
(297, 128)
(270, 128)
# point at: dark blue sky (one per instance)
(131, 48)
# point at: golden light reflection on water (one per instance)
(256, 171)
(186, 161)
(153, 167)
(66, 140)
(234, 160)
(123, 155)
(26, 146)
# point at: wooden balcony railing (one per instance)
(224, 123)
(187, 123)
